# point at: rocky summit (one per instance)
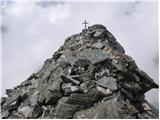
(90, 76)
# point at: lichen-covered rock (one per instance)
(90, 76)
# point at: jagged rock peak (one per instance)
(90, 76)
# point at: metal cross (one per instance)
(85, 23)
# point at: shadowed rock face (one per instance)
(90, 76)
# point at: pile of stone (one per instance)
(90, 76)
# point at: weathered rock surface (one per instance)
(90, 76)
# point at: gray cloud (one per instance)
(131, 8)
(3, 29)
(49, 3)
(35, 34)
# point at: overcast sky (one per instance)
(33, 31)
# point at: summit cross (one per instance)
(85, 23)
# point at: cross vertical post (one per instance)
(85, 23)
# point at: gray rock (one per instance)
(104, 92)
(119, 67)
(84, 100)
(46, 115)
(131, 109)
(64, 110)
(69, 56)
(49, 97)
(37, 111)
(68, 79)
(146, 106)
(102, 110)
(133, 87)
(33, 76)
(69, 88)
(90, 113)
(139, 116)
(64, 64)
(107, 82)
(30, 112)
(116, 46)
(80, 66)
(10, 92)
(147, 82)
(98, 45)
(23, 95)
(101, 114)
(104, 72)
(97, 56)
(3, 99)
(12, 103)
(52, 98)
(34, 99)
(67, 85)
(85, 85)
(128, 94)
(99, 34)
(34, 85)
(4, 114)
(86, 76)
(26, 111)
(74, 89)
(55, 86)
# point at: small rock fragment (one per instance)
(37, 111)
(74, 88)
(30, 112)
(99, 33)
(98, 45)
(84, 99)
(147, 82)
(104, 92)
(68, 79)
(4, 114)
(107, 82)
(146, 107)
(26, 111)
(51, 97)
(10, 92)
(3, 99)
(64, 110)
(13, 102)
(34, 100)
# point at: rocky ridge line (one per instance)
(90, 76)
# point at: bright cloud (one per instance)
(59, 12)
(36, 30)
